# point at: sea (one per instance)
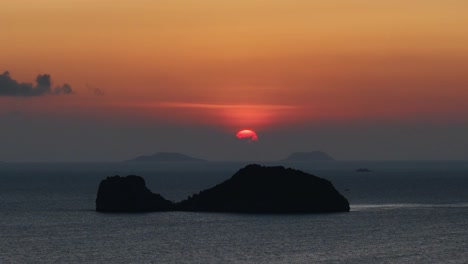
(401, 212)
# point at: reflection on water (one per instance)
(361, 207)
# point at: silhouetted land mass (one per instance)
(253, 189)
(308, 156)
(129, 194)
(258, 189)
(166, 157)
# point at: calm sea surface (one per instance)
(401, 212)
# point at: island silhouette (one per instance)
(129, 194)
(253, 189)
(363, 170)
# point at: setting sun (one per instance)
(247, 133)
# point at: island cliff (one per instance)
(253, 189)
(128, 194)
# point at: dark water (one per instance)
(401, 212)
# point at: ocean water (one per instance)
(401, 212)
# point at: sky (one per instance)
(101, 80)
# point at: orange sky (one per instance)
(242, 63)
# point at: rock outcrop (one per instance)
(129, 194)
(253, 189)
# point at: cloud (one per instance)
(95, 91)
(11, 87)
(227, 106)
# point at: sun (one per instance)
(247, 133)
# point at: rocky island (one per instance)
(258, 189)
(129, 194)
(253, 189)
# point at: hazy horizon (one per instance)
(43, 139)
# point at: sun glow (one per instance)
(247, 133)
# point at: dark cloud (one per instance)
(95, 91)
(64, 89)
(11, 87)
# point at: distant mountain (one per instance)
(308, 156)
(166, 157)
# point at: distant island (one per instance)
(166, 157)
(363, 170)
(308, 156)
(253, 189)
